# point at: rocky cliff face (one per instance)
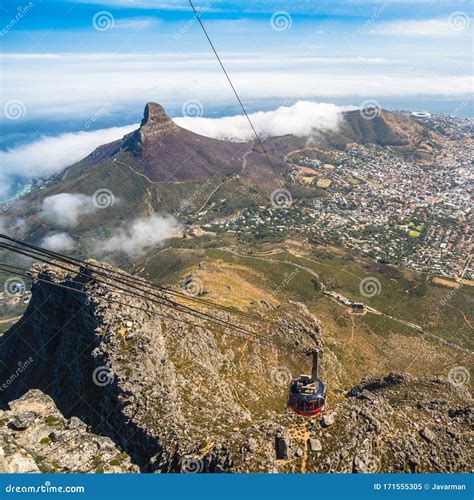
(162, 389)
(183, 395)
(35, 437)
(399, 424)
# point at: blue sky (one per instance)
(144, 25)
(82, 66)
(372, 48)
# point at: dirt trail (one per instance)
(371, 310)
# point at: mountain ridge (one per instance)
(177, 399)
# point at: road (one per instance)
(369, 309)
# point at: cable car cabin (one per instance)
(307, 394)
(307, 397)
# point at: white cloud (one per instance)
(141, 234)
(136, 23)
(65, 209)
(427, 27)
(301, 119)
(177, 5)
(12, 227)
(49, 155)
(58, 242)
(129, 80)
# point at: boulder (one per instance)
(24, 420)
(327, 420)
(315, 445)
(282, 446)
(427, 435)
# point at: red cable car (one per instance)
(307, 394)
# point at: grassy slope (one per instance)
(368, 344)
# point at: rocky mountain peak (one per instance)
(155, 119)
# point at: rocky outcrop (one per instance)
(400, 424)
(164, 388)
(181, 394)
(155, 121)
(35, 437)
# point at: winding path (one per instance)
(370, 310)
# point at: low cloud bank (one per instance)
(65, 209)
(49, 155)
(58, 242)
(301, 119)
(141, 234)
